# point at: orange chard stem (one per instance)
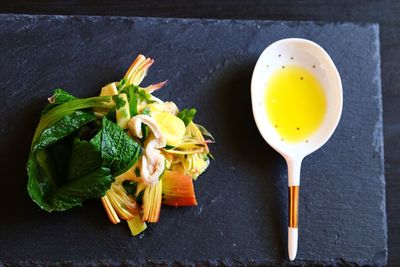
(178, 189)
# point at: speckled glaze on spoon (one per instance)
(315, 59)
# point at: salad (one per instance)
(125, 147)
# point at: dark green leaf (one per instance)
(55, 155)
(187, 115)
(118, 150)
(59, 97)
(58, 159)
(68, 108)
(50, 197)
(40, 181)
(62, 128)
(93, 185)
(111, 115)
(85, 157)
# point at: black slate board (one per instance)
(241, 216)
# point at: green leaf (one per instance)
(187, 115)
(62, 128)
(68, 108)
(118, 150)
(85, 157)
(58, 159)
(64, 170)
(59, 97)
(51, 197)
(39, 181)
(119, 102)
(93, 185)
(111, 115)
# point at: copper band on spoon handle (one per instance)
(293, 206)
(293, 231)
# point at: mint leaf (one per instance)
(62, 128)
(93, 185)
(118, 150)
(85, 157)
(67, 108)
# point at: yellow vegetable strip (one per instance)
(112, 215)
(136, 225)
(138, 77)
(133, 68)
(123, 213)
(180, 152)
(152, 202)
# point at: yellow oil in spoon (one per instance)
(295, 103)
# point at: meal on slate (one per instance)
(126, 147)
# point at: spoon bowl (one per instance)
(313, 58)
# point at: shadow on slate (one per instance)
(241, 216)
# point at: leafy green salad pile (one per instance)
(125, 147)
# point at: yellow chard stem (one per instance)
(152, 202)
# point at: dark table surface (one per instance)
(386, 13)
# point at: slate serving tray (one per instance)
(241, 216)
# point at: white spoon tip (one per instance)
(292, 242)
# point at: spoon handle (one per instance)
(293, 221)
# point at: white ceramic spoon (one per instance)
(309, 55)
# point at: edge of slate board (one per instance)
(378, 260)
(12, 16)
